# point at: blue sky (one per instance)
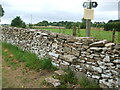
(56, 10)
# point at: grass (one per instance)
(86, 83)
(98, 34)
(31, 60)
(66, 80)
(69, 80)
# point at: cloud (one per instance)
(56, 10)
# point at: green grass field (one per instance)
(98, 34)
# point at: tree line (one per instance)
(110, 25)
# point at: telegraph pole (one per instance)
(31, 18)
(88, 22)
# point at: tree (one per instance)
(83, 24)
(17, 22)
(1, 11)
(69, 25)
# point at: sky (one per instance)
(56, 10)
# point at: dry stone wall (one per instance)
(99, 60)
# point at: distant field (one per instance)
(98, 34)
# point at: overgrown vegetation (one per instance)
(86, 83)
(112, 25)
(68, 79)
(31, 60)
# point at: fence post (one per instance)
(78, 31)
(113, 36)
(74, 30)
(59, 30)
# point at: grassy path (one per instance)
(15, 74)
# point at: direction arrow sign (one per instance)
(87, 4)
(94, 4)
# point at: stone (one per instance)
(103, 67)
(44, 34)
(54, 45)
(105, 75)
(53, 54)
(68, 58)
(77, 66)
(109, 44)
(85, 47)
(77, 43)
(95, 76)
(54, 82)
(75, 52)
(106, 59)
(82, 61)
(96, 48)
(117, 47)
(60, 72)
(67, 49)
(89, 67)
(109, 64)
(55, 64)
(100, 63)
(71, 39)
(98, 69)
(65, 63)
(99, 44)
(118, 66)
(116, 61)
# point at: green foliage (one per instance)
(31, 59)
(43, 23)
(112, 25)
(86, 83)
(67, 78)
(30, 25)
(45, 63)
(83, 24)
(98, 24)
(1, 11)
(69, 25)
(17, 22)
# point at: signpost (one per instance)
(89, 14)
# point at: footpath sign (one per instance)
(88, 13)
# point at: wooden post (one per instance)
(63, 31)
(78, 31)
(74, 30)
(113, 36)
(59, 30)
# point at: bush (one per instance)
(67, 78)
(86, 83)
(46, 63)
(112, 25)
